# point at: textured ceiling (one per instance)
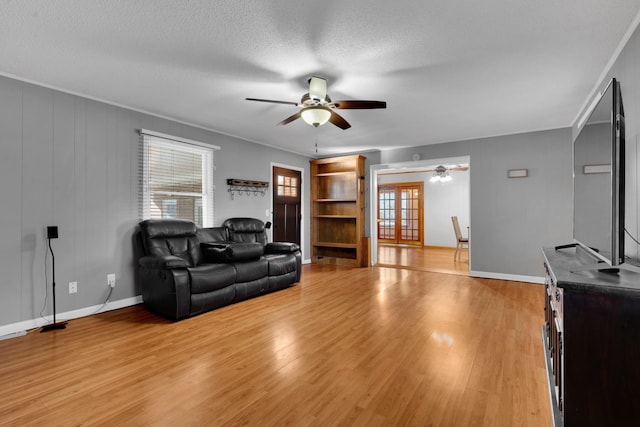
(447, 70)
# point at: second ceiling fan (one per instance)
(317, 108)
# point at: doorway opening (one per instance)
(441, 199)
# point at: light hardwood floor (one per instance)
(424, 258)
(369, 346)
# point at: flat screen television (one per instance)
(598, 180)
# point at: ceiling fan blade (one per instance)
(317, 88)
(272, 101)
(339, 121)
(290, 119)
(359, 105)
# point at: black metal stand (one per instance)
(54, 325)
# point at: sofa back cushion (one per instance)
(246, 230)
(161, 237)
(212, 234)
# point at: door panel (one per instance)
(410, 210)
(287, 205)
(387, 215)
(400, 213)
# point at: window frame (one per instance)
(206, 151)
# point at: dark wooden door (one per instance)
(287, 204)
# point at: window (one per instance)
(287, 186)
(177, 178)
(169, 208)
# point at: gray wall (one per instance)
(627, 70)
(512, 218)
(373, 158)
(73, 162)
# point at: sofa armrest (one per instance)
(281, 248)
(231, 251)
(166, 292)
(167, 262)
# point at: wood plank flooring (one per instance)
(345, 347)
(424, 258)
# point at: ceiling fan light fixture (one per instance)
(441, 174)
(316, 115)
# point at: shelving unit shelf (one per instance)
(337, 211)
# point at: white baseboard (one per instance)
(13, 335)
(18, 329)
(512, 277)
(306, 261)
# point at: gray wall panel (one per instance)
(97, 210)
(80, 218)
(10, 191)
(37, 190)
(63, 200)
(126, 202)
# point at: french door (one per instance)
(400, 213)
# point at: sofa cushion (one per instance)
(281, 282)
(201, 303)
(251, 270)
(212, 234)
(246, 230)
(162, 228)
(210, 277)
(171, 237)
(167, 262)
(280, 264)
(281, 248)
(231, 251)
(250, 289)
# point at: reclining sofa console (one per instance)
(185, 270)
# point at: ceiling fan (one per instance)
(317, 108)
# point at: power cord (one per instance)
(104, 304)
(46, 288)
(46, 294)
(632, 238)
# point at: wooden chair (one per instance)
(461, 242)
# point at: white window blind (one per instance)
(176, 178)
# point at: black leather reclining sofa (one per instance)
(184, 270)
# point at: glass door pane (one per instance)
(387, 213)
(410, 214)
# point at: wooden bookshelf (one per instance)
(337, 211)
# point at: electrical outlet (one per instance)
(111, 280)
(73, 287)
(267, 213)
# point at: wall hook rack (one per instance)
(245, 186)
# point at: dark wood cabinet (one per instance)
(591, 338)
